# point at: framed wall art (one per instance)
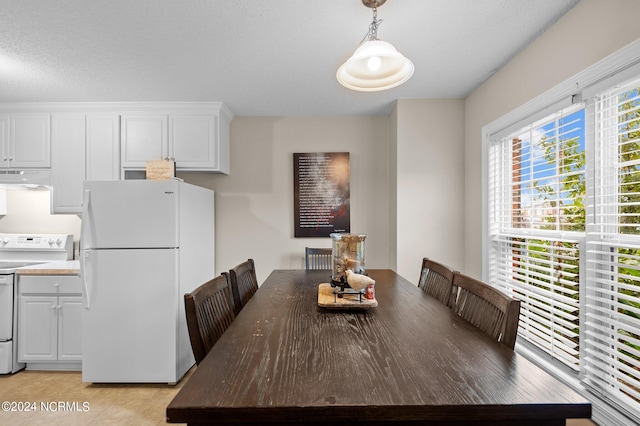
(321, 193)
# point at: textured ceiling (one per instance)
(259, 57)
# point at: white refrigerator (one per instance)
(144, 244)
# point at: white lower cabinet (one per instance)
(49, 322)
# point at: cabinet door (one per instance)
(103, 147)
(38, 328)
(70, 328)
(68, 166)
(30, 140)
(144, 138)
(4, 141)
(193, 142)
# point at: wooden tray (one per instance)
(328, 299)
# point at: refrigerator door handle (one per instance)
(83, 273)
(84, 253)
(85, 226)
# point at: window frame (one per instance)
(618, 67)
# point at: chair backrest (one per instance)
(318, 258)
(436, 280)
(210, 311)
(488, 308)
(244, 283)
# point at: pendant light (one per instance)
(375, 65)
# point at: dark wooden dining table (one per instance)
(410, 360)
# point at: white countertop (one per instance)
(63, 267)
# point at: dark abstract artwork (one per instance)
(321, 193)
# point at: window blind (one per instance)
(554, 232)
(537, 222)
(544, 275)
(612, 321)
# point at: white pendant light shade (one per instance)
(375, 65)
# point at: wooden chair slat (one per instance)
(436, 279)
(318, 258)
(244, 283)
(487, 308)
(209, 310)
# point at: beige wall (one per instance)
(254, 204)
(393, 189)
(429, 183)
(401, 190)
(592, 30)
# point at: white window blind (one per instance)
(537, 222)
(612, 323)
(544, 275)
(565, 237)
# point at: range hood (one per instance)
(25, 179)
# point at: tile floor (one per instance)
(83, 403)
(92, 404)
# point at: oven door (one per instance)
(6, 307)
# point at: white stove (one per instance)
(17, 251)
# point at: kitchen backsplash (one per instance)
(29, 211)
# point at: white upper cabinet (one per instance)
(197, 138)
(4, 139)
(25, 141)
(193, 141)
(144, 138)
(82, 141)
(68, 164)
(85, 146)
(103, 147)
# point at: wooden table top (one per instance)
(410, 359)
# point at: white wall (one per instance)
(429, 183)
(592, 30)
(254, 204)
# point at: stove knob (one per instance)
(5, 241)
(50, 241)
(58, 242)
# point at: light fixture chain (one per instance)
(372, 34)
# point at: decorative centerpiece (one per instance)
(350, 287)
(347, 253)
(348, 272)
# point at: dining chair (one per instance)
(318, 258)
(210, 311)
(436, 279)
(487, 308)
(244, 283)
